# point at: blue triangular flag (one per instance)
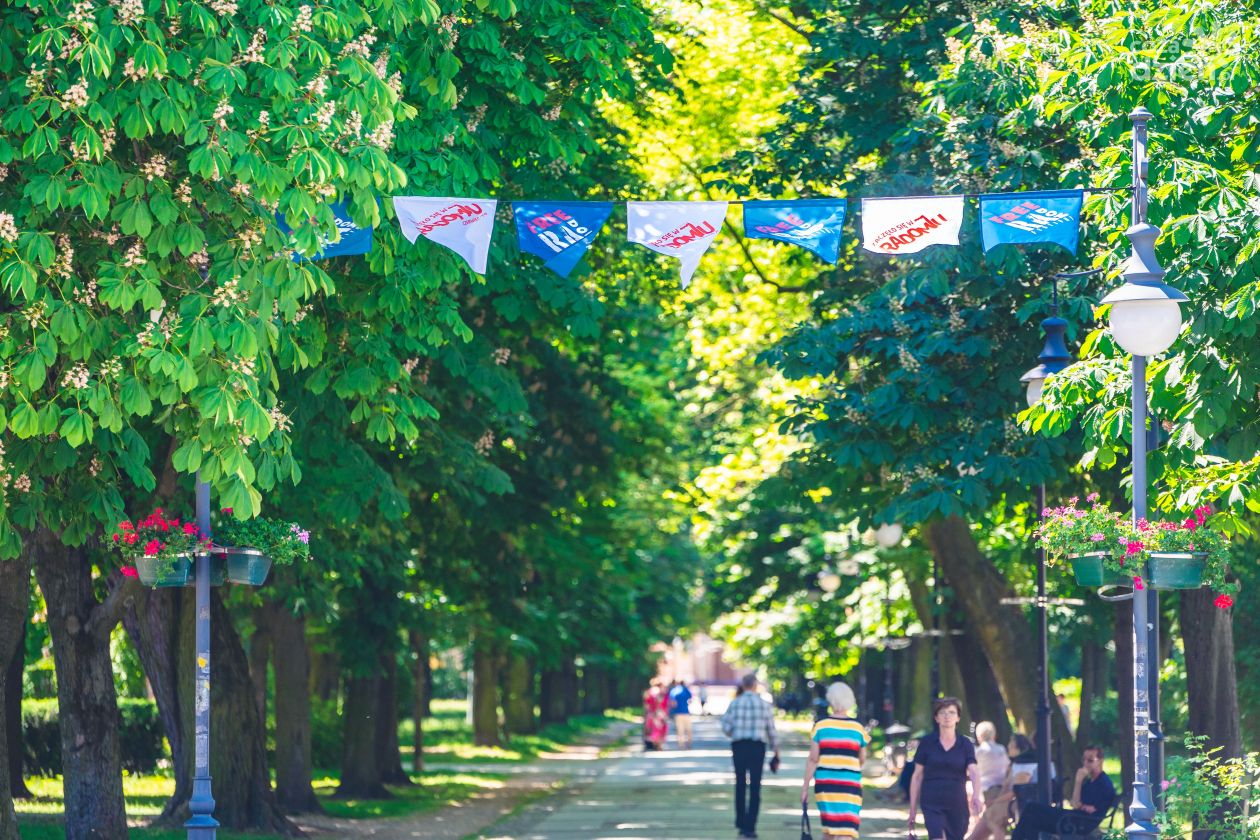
(559, 231)
(354, 239)
(1019, 218)
(813, 223)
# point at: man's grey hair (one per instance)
(749, 682)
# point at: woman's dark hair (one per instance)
(944, 703)
(1023, 744)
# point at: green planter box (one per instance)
(1176, 570)
(1090, 571)
(155, 572)
(247, 566)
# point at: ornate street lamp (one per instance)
(201, 824)
(1145, 321)
(1054, 357)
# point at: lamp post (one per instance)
(1145, 321)
(202, 825)
(1053, 358)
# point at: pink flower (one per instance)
(1190, 524)
(1143, 525)
(1224, 602)
(1096, 538)
(1137, 583)
(227, 511)
(130, 572)
(1132, 547)
(125, 526)
(152, 547)
(1092, 497)
(190, 529)
(1164, 785)
(131, 538)
(1074, 500)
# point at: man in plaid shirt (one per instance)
(749, 723)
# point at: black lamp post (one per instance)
(1054, 357)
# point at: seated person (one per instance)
(992, 823)
(1093, 794)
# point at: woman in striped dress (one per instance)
(835, 764)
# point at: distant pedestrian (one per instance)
(749, 723)
(680, 713)
(943, 762)
(655, 719)
(704, 699)
(836, 755)
(992, 759)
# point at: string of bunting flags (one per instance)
(560, 232)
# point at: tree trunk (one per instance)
(569, 689)
(1124, 695)
(980, 685)
(293, 712)
(551, 696)
(15, 594)
(325, 669)
(387, 745)
(419, 644)
(12, 742)
(518, 696)
(362, 776)
(1002, 631)
(162, 626)
(484, 696)
(1211, 683)
(86, 701)
(259, 655)
(1093, 684)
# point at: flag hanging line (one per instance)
(561, 231)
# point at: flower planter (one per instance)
(247, 566)
(1176, 570)
(1090, 571)
(154, 571)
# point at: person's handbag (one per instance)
(805, 832)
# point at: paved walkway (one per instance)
(681, 796)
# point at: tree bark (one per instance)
(15, 593)
(259, 656)
(162, 626)
(325, 670)
(980, 685)
(1002, 631)
(86, 700)
(419, 644)
(551, 696)
(387, 745)
(518, 696)
(1211, 682)
(362, 776)
(484, 696)
(1124, 695)
(1093, 684)
(569, 689)
(294, 793)
(12, 742)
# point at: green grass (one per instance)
(448, 737)
(434, 791)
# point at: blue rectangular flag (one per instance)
(1019, 218)
(813, 223)
(559, 231)
(354, 239)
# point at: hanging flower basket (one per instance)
(1176, 569)
(247, 566)
(164, 571)
(1091, 570)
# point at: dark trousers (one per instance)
(1036, 818)
(749, 758)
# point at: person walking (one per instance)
(943, 763)
(749, 723)
(680, 713)
(993, 761)
(836, 754)
(655, 720)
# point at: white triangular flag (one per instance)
(462, 224)
(895, 226)
(682, 229)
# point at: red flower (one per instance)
(125, 525)
(190, 529)
(152, 547)
(1137, 583)
(130, 571)
(1190, 524)
(1224, 601)
(226, 511)
(115, 538)
(131, 538)
(1132, 547)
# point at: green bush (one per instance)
(142, 739)
(326, 734)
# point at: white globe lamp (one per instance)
(888, 535)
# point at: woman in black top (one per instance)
(942, 764)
